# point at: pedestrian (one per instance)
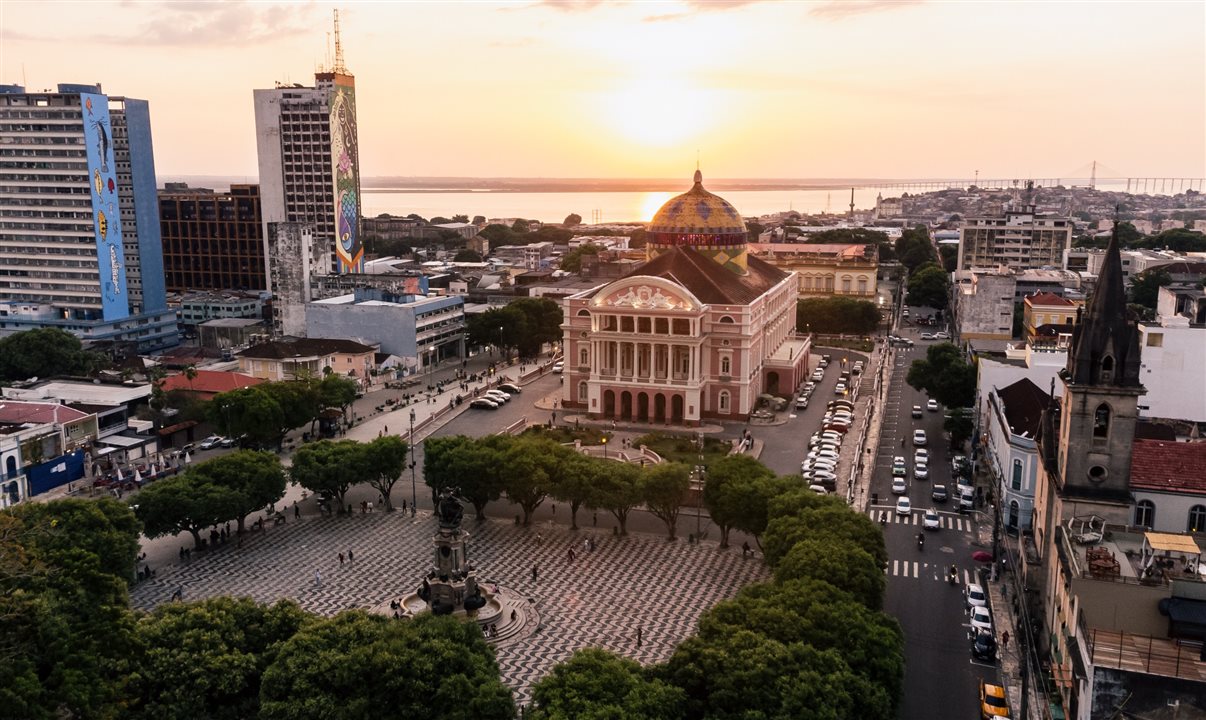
(535, 572)
(296, 511)
(554, 508)
(745, 549)
(586, 545)
(1004, 639)
(403, 506)
(387, 429)
(350, 556)
(539, 539)
(370, 506)
(317, 578)
(592, 544)
(571, 554)
(595, 517)
(640, 635)
(340, 559)
(514, 616)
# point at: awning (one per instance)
(1169, 542)
(124, 441)
(170, 429)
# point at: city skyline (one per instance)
(640, 90)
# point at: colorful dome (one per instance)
(698, 212)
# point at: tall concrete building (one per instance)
(1020, 239)
(309, 162)
(80, 246)
(212, 240)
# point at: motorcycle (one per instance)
(920, 542)
(883, 519)
(952, 576)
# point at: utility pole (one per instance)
(852, 204)
(1093, 177)
(414, 491)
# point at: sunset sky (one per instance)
(859, 88)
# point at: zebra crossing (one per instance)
(948, 522)
(917, 570)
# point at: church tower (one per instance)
(1101, 393)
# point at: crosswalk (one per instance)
(916, 570)
(948, 522)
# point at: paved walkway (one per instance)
(599, 600)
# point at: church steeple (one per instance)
(1105, 341)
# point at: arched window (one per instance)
(1197, 519)
(1014, 513)
(723, 400)
(726, 365)
(583, 392)
(584, 313)
(726, 319)
(1016, 483)
(1101, 421)
(583, 356)
(1107, 369)
(1145, 513)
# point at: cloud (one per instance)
(697, 6)
(841, 9)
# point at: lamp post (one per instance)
(604, 446)
(414, 491)
(431, 365)
(500, 345)
(699, 495)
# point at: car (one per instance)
(984, 647)
(919, 438)
(959, 465)
(823, 364)
(838, 425)
(228, 442)
(942, 336)
(483, 404)
(802, 402)
(932, 406)
(818, 376)
(930, 520)
(819, 476)
(938, 493)
(497, 395)
(973, 596)
(981, 619)
(840, 404)
(823, 453)
(839, 389)
(927, 336)
(510, 388)
(903, 506)
(559, 367)
(993, 705)
(899, 486)
(818, 489)
(916, 411)
(211, 442)
(905, 312)
(921, 471)
(821, 463)
(899, 471)
(810, 386)
(921, 455)
(839, 415)
(827, 445)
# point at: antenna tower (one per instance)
(1093, 177)
(339, 67)
(851, 203)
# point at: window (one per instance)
(1017, 475)
(682, 326)
(726, 365)
(644, 325)
(1155, 339)
(1197, 519)
(724, 401)
(1107, 369)
(1101, 420)
(584, 357)
(1145, 513)
(583, 393)
(583, 313)
(727, 320)
(627, 324)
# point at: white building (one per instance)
(1011, 447)
(1173, 351)
(1019, 239)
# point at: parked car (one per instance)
(211, 442)
(921, 455)
(932, 406)
(938, 493)
(483, 404)
(916, 411)
(840, 404)
(559, 366)
(942, 336)
(927, 336)
(818, 376)
(187, 448)
(993, 705)
(839, 389)
(497, 395)
(984, 647)
(931, 521)
(919, 438)
(903, 506)
(818, 489)
(802, 402)
(510, 388)
(973, 596)
(899, 486)
(921, 471)
(981, 619)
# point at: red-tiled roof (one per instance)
(1046, 298)
(18, 413)
(1169, 466)
(210, 381)
(710, 282)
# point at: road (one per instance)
(941, 678)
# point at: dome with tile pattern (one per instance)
(700, 221)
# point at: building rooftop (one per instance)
(304, 347)
(1024, 404)
(209, 382)
(1049, 299)
(1169, 466)
(708, 280)
(16, 412)
(92, 393)
(231, 323)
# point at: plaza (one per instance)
(599, 599)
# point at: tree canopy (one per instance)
(1145, 287)
(595, 684)
(329, 467)
(945, 376)
(930, 286)
(572, 219)
(915, 249)
(256, 479)
(526, 325)
(45, 352)
(468, 256)
(572, 260)
(837, 316)
(731, 492)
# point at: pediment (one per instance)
(643, 292)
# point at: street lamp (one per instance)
(699, 495)
(604, 446)
(414, 492)
(430, 365)
(500, 345)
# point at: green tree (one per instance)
(915, 249)
(595, 684)
(730, 487)
(466, 255)
(504, 327)
(471, 466)
(337, 391)
(543, 318)
(929, 286)
(618, 490)
(843, 565)
(460, 218)
(497, 235)
(520, 227)
(755, 499)
(384, 460)
(45, 352)
(832, 521)
(1145, 287)
(186, 503)
(665, 487)
(959, 425)
(572, 219)
(945, 376)
(357, 665)
(329, 467)
(206, 659)
(576, 482)
(251, 412)
(256, 478)
(950, 257)
(1177, 240)
(837, 316)
(572, 260)
(527, 467)
(299, 400)
(1128, 235)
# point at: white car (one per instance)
(921, 455)
(559, 367)
(820, 466)
(802, 402)
(899, 486)
(903, 506)
(497, 395)
(932, 406)
(927, 336)
(839, 389)
(483, 404)
(981, 620)
(919, 438)
(921, 471)
(822, 454)
(930, 520)
(974, 596)
(818, 375)
(819, 476)
(211, 442)
(818, 489)
(942, 336)
(916, 411)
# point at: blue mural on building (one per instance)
(106, 213)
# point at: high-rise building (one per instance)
(212, 240)
(1021, 239)
(309, 161)
(79, 233)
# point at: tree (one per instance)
(665, 488)
(520, 226)
(460, 218)
(251, 412)
(186, 503)
(572, 260)
(1177, 240)
(439, 220)
(837, 316)
(206, 659)
(915, 249)
(843, 565)
(471, 466)
(1145, 287)
(595, 684)
(618, 491)
(945, 376)
(729, 487)
(831, 521)
(543, 318)
(1128, 235)
(576, 481)
(256, 478)
(754, 501)
(337, 391)
(524, 467)
(929, 286)
(465, 255)
(950, 257)
(383, 462)
(572, 219)
(960, 426)
(299, 400)
(45, 352)
(503, 327)
(357, 665)
(329, 468)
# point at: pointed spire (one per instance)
(698, 177)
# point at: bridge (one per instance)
(1136, 185)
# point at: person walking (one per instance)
(571, 554)
(350, 556)
(1004, 639)
(296, 511)
(340, 559)
(640, 635)
(317, 578)
(535, 572)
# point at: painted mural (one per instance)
(345, 154)
(98, 143)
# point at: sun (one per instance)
(653, 202)
(659, 110)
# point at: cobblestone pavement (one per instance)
(598, 600)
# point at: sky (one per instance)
(587, 88)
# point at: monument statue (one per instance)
(451, 584)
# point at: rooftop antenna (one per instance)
(327, 60)
(1093, 177)
(339, 66)
(851, 203)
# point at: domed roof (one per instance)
(698, 212)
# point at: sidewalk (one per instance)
(1010, 660)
